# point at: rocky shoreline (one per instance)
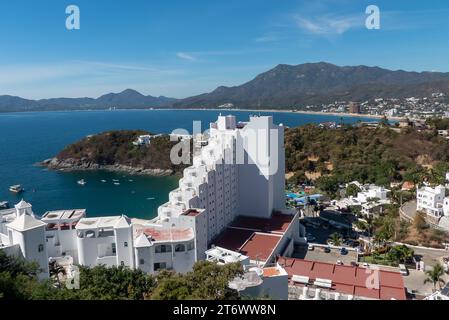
(84, 165)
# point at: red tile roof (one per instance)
(232, 239)
(278, 223)
(252, 244)
(260, 246)
(191, 213)
(357, 281)
(162, 234)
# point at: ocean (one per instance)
(28, 138)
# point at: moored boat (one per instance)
(16, 188)
(81, 182)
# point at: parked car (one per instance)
(327, 249)
(343, 251)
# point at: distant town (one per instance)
(436, 105)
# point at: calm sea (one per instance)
(27, 138)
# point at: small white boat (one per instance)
(115, 180)
(81, 182)
(151, 198)
(4, 205)
(103, 181)
(116, 183)
(16, 188)
(131, 180)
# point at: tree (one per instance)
(55, 270)
(335, 239)
(114, 283)
(207, 281)
(400, 254)
(435, 276)
(352, 190)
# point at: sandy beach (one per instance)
(337, 114)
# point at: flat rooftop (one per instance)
(161, 234)
(355, 281)
(55, 216)
(278, 223)
(232, 239)
(97, 222)
(260, 246)
(257, 246)
(192, 212)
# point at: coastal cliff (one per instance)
(115, 151)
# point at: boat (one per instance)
(16, 188)
(81, 182)
(116, 183)
(151, 198)
(103, 181)
(131, 180)
(4, 205)
(115, 180)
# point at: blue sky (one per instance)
(180, 48)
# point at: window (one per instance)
(125, 244)
(180, 248)
(40, 248)
(160, 265)
(141, 261)
(163, 248)
(114, 248)
(191, 245)
(122, 263)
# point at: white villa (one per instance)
(143, 140)
(431, 200)
(371, 198)
(230, 205)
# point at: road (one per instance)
(429, 256)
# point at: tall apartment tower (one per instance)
(241, 171)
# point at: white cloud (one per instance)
(329, 25)
(186, 56)
(268, 37)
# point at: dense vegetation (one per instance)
(380, 155)
(208, 280)
(115, 147)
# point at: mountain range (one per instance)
(124, 100)
(285, 86)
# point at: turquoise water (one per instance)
(28, 138)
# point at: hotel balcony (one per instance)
(175, 196)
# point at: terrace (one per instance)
(357, 282)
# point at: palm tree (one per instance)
(434, 275)
(335, 239)
(56, 269)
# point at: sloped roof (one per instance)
(142, 241)
(23, 205)
(25, 222)
(123, 222)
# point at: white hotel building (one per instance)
(432, 201)
(232, 196)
